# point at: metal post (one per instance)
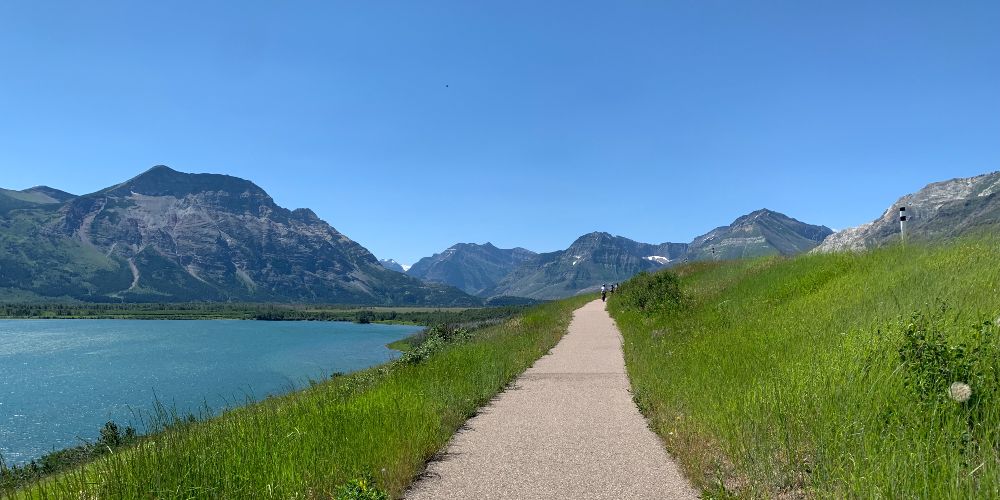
(902, 224)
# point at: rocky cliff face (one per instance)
(178, 236)
(942, 209)
(762, 232)
(473, 268)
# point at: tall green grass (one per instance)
(825, 375)
(382, 424)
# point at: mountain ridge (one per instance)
(940, 209)
(168, 236)
(600, 257)
(593, 258)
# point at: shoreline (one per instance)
(159, 418)
(398, 347)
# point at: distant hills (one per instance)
(167, 236)
(599, 257)
(939, 210)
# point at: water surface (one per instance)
(61, 380)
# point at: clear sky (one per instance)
(413, 125)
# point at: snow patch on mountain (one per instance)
(659, 259)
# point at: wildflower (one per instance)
(960, 391)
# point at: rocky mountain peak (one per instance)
(763, 215)
(162, 180)
(760, 232)
(756, 215)
(305, 215)
(936, 194)
(392, 265)
(592, 239)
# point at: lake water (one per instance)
(61, 380)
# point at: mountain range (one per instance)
(168, 236)
(599, 257)
(940, 210)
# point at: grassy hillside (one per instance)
(380, 425)
(825, 375)
(36, 261)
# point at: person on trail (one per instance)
(604, 292)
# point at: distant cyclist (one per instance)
(604, 292)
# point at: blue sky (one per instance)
(410, 126)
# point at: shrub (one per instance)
(937, 353)
(434, 340)
(659, 291)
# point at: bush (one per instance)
(937, 353)
(434, 340)
(659, 291)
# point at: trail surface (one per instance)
(567, 429)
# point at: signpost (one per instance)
(902, 224)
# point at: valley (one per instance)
(173, 246)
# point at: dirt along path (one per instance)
(567, 429)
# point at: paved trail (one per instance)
(567, 429)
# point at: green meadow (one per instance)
(825, 376)
(363, 435)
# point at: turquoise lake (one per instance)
(61, 380)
